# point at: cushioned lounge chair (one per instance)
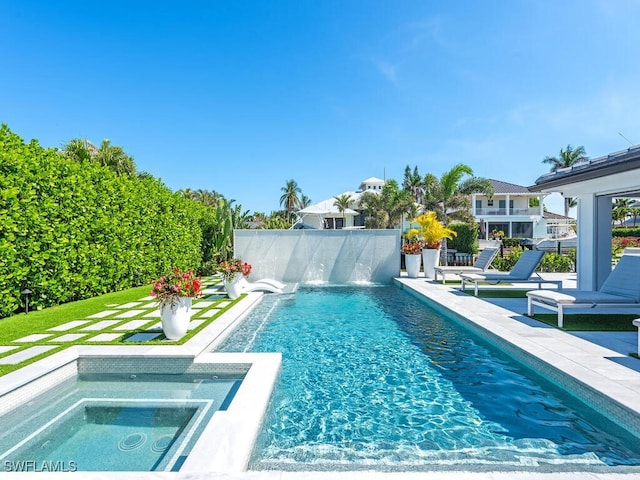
(620, 289)
(522, 272)
(480, 265)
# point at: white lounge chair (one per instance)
(620, 289)
(522, 272)
(480, 265)
(264, 284)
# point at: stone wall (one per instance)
(320, 256)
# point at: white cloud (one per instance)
(388, 70)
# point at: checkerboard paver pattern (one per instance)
(126, 324)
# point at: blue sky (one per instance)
(241, 96)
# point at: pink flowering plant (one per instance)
(230, 268)
(168, 289)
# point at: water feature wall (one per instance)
(315, 256)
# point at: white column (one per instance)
(594, 241)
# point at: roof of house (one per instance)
(502, 188)
(616, 162)
(556, 216)
(328, 207)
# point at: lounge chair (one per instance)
(265, 284)
(522, 272)
(620, 289)
(480, 265)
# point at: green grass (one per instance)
(21, 325)
(590, 322)
(498, 293)
(38, 322)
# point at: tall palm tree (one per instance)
(78, 149)
(448, 196)
(621, 209)
(568, 158)
(342, 202)
(290, 200)
(115, 158)
(413, 183)
(304, 201)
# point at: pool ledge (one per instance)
(597, 373)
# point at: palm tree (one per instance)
(290, 200)
(304, 201)
(342, 202)
(115, 158)
(449, 195)
(621, 209)
(568, 158)
(413, 183)
(78, 149)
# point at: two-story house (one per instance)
(517, 212)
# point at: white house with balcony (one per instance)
(326, 215)
(509, 211)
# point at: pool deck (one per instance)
(597, 360)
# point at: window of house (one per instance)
(490, 203)
(522, 229)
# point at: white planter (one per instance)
(175, 319)
(412, 263)
(430, 260)
(234, 287)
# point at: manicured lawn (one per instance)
(21, 325)
(590, 322)
(123, 315)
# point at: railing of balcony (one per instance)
(504, 211)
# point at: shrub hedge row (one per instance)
(466, 240)
(626, 232)
(71, 230)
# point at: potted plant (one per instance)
(412, 249)
(174, 293)
(431, 233)
(233, 272)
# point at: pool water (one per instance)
(374, 378)
(113, 423)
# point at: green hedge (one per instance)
(466, 240)
(72, 230)
(626, 232)
(551, 262)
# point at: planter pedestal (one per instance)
(412, 264)
(234, 287)
(175, 319)
(430, 260)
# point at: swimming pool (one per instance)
(373, 378)
(113, 422)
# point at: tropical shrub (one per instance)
(551, 262)
(71, 230)
(626, 232)
(466, 238)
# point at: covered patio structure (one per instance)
(595, 184)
